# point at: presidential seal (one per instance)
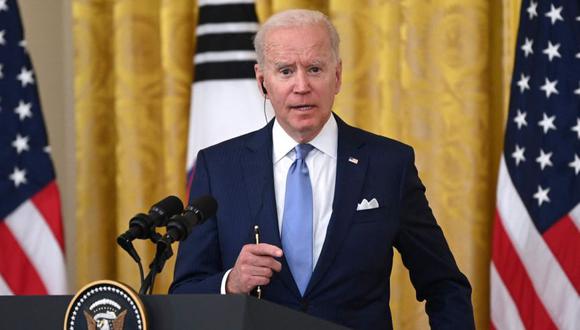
(105, 305)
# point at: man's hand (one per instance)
(255, 266)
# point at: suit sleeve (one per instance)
(198, 268)
(431, 265)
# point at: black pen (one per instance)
(257, 237)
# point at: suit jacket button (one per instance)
(304, 305)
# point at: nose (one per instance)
(302, 84)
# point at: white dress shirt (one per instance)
(321, 162)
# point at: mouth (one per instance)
(302, 107)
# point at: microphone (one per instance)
(141, 225)
(180, 226)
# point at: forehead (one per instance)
(307, 42)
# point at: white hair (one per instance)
(295, 18)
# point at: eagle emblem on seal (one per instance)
(105, 314)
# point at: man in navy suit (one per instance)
(363, 197)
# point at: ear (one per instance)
(260, 80)
(338, 76)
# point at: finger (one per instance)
(254, 281)
(264, 249)
(245, 278)
(256, 271)
(248, 282)
(261, 261)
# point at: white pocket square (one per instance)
(366, 205)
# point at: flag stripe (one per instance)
(518, 284)
(575, 216)
(224, 70)
(47, 202)
(226, 13)
(232, 55)
(563, 239)
(4, 289)
(553, 287)
(504, 314)
(237, 27)
(217, 42)
(15, 268)
(40, 246)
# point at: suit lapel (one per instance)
(258, 176)
(351, 165)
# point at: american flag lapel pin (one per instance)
(353, 160)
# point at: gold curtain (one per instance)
(433, 74)
(133, 65)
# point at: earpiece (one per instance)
(264, 89)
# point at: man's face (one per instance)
(301, 76)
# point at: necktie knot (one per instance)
(302, 150)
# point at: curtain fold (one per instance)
(133, 72)
(432, 74)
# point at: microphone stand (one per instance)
(163, 253)
(127, 245)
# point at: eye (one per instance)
(315, 69)
(285, 71)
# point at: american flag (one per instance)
(225, 100)
(31, 234)
(535, 269)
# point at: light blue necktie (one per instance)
(297, 219)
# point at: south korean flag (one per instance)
(225, 99)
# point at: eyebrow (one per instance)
(317, 63)
(279, 65)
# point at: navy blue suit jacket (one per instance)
(350, 283)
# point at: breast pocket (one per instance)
(370, 215)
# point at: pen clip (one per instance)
(257, 234)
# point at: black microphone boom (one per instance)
(142, 225)
(159, 214)
(180, 226)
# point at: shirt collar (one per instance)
(326, 141)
